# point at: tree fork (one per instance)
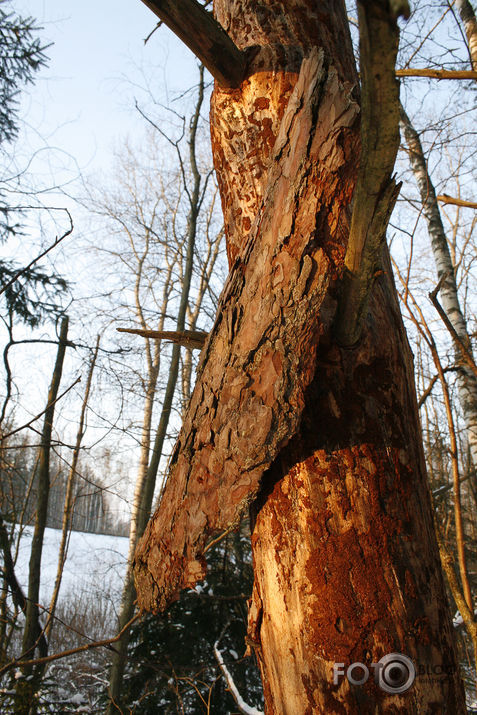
(345, 557)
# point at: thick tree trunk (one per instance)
(346, 568)
(326, 439)
(466, 378)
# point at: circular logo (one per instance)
(396, 673)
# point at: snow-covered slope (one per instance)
(95, 563)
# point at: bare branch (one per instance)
(438, 74)
(66, 653)
(241, 704)
(445, 199)
(466, 355)
(36, 417)
(41, 255)
(193, 339)
(202, 34)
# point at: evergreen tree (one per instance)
(171, 661)
(28, 293)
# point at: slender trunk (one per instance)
(27, 688)
(150, 460)
(69, 494)
(466, 379)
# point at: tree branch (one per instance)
(445, 199)
(202, 34)
(466, 355)
(438, 74)
(193, 339)
(66, 653)
(376, 191)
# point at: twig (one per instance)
(40, 256)
(72, 651)
(466, 355)
(241, 704)
(219, 538)
(27, 424)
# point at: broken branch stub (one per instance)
(201, 33)
(376, 191)
(192, 339)
(260, 355)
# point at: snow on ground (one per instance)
(95, 563)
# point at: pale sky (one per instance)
(82, 101)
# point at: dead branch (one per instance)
(464, 350)
(66, 653)
(438, 74)
(200, 31)
(193, 339)
(376, 190)
(445, 199)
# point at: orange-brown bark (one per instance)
(346, 568)
(259, 357)
(323, 441)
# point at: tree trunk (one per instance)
(467, 15)
(27, 688)
(68, 507)
(326, 439)
(466, 378)
(150, 458)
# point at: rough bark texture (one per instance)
(245, 122)
(327, 440)
(344, 551)
(249, 393)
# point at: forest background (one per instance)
(102, 165)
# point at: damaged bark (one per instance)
(321, 441)
(259, 357)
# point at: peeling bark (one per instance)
(323, 442)
(259, 357)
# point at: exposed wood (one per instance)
(445, 199)
(259, 357)
(324, 441)
(438, 74)
(198, 29)
(245, 122)
(193, 339)
(376, 191)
